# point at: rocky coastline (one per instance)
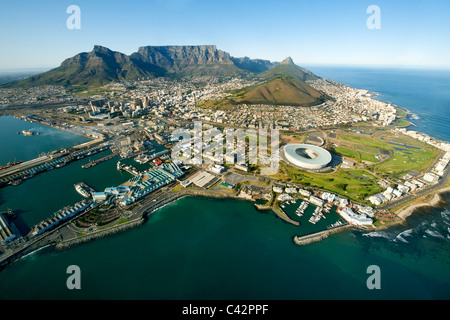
(62, 245)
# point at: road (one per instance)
(418, 194)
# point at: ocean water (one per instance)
(425, 93)
(17, 147)
(199, 248)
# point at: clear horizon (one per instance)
(413, 34)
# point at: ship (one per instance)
(301, 209)
(317, 215)
(16, 182)
(61, 164)
(142, 159)
(83, 189)
(29, 133)
(335, 225)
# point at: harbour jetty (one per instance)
(319, 236)
(62, 245)
(98, 161)
(54, 159)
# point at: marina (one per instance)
(312, 218)
(301, 209)
(188, 243)
(317, 215)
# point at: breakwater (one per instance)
(141, 212)
(319, 236)
(38, 245)
(98, 234)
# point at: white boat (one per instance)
(60, 165)
(314, 219)
(82, 189)
(301, 209)
(29, 133)
(142, 159)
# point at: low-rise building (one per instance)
(316, 201)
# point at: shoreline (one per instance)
(404, 212)
(434, 202)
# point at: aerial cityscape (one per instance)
(202, 173)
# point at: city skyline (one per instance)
(412, 34)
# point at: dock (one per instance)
(128, 168)
(319, 236)
(15, 174)
(98, 161)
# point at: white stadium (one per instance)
(307, 156)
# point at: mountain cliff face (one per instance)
(97, 67)
(177, 57)
(253, 65)
(102, 65)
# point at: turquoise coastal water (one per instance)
(426, 93)
(199, 248)
(17, 147)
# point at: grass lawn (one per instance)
(353, 184)
(408, 153)
(355, 155)
(402, 123)
(401, 113)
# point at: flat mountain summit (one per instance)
(102, 65)
(284, 82)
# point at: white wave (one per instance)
(33, 252)
(413, 116)
(406, 232)
(446, 214)
(401, 236)
(380, 234)
(434, 234)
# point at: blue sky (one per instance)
(413, 33)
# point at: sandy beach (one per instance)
(408, 210)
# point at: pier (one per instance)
(128, 168)
(15, 174)
(98, 161)
(319, 236)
